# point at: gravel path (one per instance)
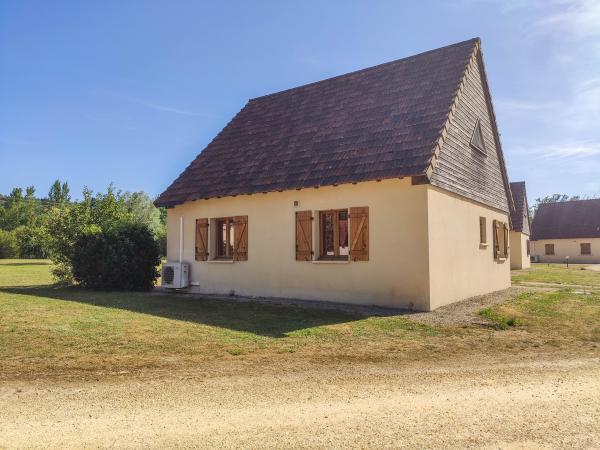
(464, 404)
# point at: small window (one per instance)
(528, 248)
(482, 231)
(549, 249)
(333, 231)
(477, 141)
(224, 238)
(586, 248)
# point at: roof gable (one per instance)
(376, 123)
(564, 220)
(519, 215)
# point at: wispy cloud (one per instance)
(570, 151)
(514, 106)
(580, 17)
(150, 104)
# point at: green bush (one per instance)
(124, 257)
(31, 241)
(8, 245)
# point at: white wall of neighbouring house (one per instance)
(461, 267)
(567, 247)
(518, 251)
(396, 274)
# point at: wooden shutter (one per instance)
(496, 229)
(240, 238)
(304, 236)
(359, 233)
(505, 236)
(201, 239)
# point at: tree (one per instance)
(59, 193)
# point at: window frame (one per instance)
(229, 238)
(336, 235)
(589, 247)
(548, 246)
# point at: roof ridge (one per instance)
(571, 201)
(365, 69)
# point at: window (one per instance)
(333, 232)
(224, 238)
(549, 249)
(482, 231)
(528, 248)
(228, 239)
(477, 141)
(500, 240)
(586, 248)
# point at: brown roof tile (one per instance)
(564, 220)
(376, 123)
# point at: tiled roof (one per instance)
(519, 213)
(376, 123)
(563, 220)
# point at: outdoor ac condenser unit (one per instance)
(535, 258)
(175, 275)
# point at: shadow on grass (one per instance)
(251, 317)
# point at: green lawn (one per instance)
(47, 330)
(559, 274)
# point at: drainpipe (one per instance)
(181, 239)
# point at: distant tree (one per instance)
(59, 192)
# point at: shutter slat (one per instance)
(240, 238)
(359, 233)
(303, 235)
(201, 240)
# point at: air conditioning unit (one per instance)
(535, 258)
(175, 275)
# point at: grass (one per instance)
(47, 330)
(559, 274)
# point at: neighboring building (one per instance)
(567, 229)
(385, 186)
(520, 247)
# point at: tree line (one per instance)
(49, 226)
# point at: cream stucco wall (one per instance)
(459, 266)
(567, 247)
(518, 250)
(397, 271)
(424, 247)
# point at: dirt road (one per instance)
(525, 404)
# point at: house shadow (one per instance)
(256, 317)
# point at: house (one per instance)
(385, 186)
(567, 229)
(520, 247)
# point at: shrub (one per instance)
(31, 241)
(8, 245)
(124, 257)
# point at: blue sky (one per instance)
(130, 92)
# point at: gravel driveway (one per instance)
(472, 403)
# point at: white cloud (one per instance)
(152, 105)
(579, 17)
(571, 151)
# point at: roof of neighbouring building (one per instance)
(564, 220)
(519, 215)
(377, 123)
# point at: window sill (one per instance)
(483, 245)
(501, 259)
(330, 261)
(220, 261)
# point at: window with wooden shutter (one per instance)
(500, 230)
(482, 231)
(240, 239)
(359, 233)
(304, 236)
(201, 239)
(586, 248)
(549, 249)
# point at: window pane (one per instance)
(230, 238)
(221, 237)
(343, 233)
(328, 234)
